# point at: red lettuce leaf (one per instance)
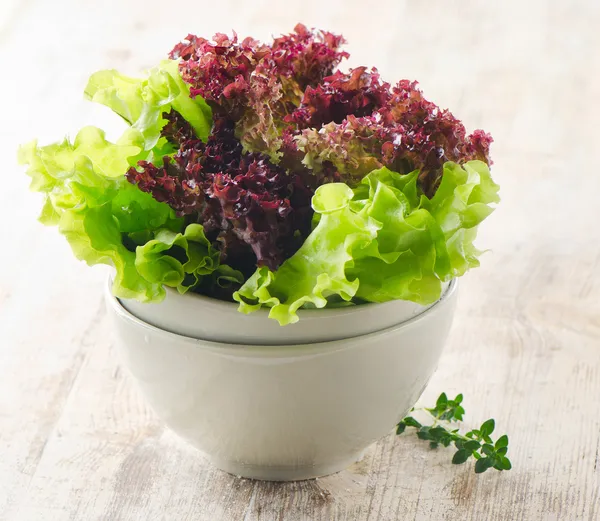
(177, 130)
(257, 85)
(305, 57)
(220, 71)
(286, 122)
(258, 213)
(404, 132)
(358, 93)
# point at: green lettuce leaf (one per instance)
(379, 242)
(88, 197)
(177, 260)
(107, 220)
(141, 103)
(226, 277)
(317, 270)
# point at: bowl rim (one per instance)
(283, 350)
(310, 313)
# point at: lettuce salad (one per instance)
(263, 174)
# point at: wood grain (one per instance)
(77, 442)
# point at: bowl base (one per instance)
(285, 473)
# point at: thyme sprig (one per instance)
(476, 443)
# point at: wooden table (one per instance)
(77, 441)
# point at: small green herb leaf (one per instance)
(448, 410)
(441, 401)
(409, 421)
(461, 456)
(487, 449)
(502, 442)
(472, 445)
(483, 464)
(487, 427)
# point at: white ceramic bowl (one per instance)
(285, 412)
(197, 316)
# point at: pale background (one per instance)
(77, 441)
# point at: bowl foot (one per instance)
(285, 473)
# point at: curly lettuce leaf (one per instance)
(177, 260)
(461, 202)
(106, 219)
(94, 207)
(317, 270)
(226, 277)
(142, 102)
(382, 241)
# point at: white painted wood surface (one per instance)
(77, 441)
